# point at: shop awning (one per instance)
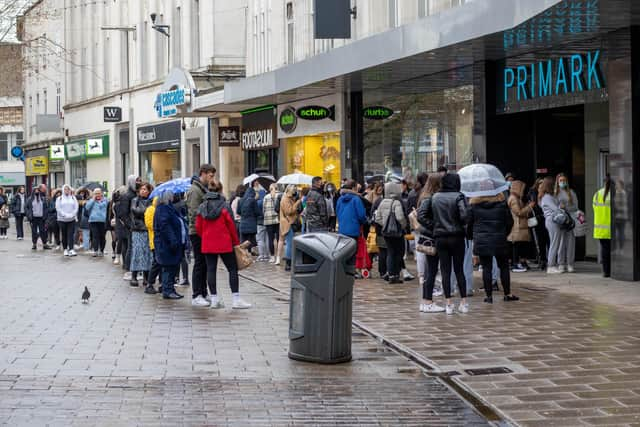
(476, 31)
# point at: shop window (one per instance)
(160, 166)
(426, 131)
(4, 146)
(317, 155)
(78, 172)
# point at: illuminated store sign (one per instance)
(288, 120)
(167, 103)
(561, 76)
(377, 113)
(316, 112)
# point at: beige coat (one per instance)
(288, 213)
(520, 213)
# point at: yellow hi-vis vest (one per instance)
(602, 215)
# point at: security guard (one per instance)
(602, 224)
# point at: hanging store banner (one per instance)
(229, 136)
(259, 129)
(36, 166)
(56, 152)
(312, 116)
(167, 103)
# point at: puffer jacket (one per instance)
(448, 209)
(148, 220)
(138, 207)
(249, 212)
(520, 213)
(215, 226)
(392, 199)
(489, 224)
(122, 207)
(424, 220)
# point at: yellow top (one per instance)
(148, 220)
(602, 216)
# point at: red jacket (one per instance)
(219, 235)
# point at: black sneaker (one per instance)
(134, 283)
(488, 300)
(395, 280)
(34, 248)
(173, 295)
(511, 298)
(150, 290)
(46, 247)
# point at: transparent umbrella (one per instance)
(482, 179)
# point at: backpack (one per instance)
(4, 212)
(276, 203)
(392, 227)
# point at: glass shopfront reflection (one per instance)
(425, 131)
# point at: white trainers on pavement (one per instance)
(127, 276)
(217, 304)
(570, 269)
(200, 302)
(66, 252)
(407, 276)
(450, 309)
(432, 308)
(72, 253)
(553, 270)
(240, 304)
(463, 308)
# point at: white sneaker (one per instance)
(562, 269)
(463, 308)
(72, 253)
(553, 270)
(437, 292)
(217, 304)
(277, 261)
(127, 276)
(570, 269)
(200, 302)
(116, 260)
(240, 304)
(272, 260)
(208, 297)
(57, 248)
(66, 252)
(407, 276)
(450, 309)
(432, 308)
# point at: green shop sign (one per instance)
(377, 113)
(89, 148)
(317, 112)
(288, 120)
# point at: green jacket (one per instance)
(195, 197)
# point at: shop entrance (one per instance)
(544, 143)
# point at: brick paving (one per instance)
(132, 359)
(574, 361)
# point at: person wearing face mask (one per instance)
(96, 210)
(67, 212)
(140, 251)
(568, 200)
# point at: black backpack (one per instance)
(276, 203)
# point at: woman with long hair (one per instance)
(140, 250)
(568, 200)
(426, 237)
(67, 213)
(550, 205)
(289, 217)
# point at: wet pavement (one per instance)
(132, 359)
(571, 360)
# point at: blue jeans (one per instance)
(288, 251)
(86, 239)
(168, 278)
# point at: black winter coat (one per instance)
(122, 208)
(138, 207)
(424, 220)
(448, 209)
(490, 223)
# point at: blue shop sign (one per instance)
(167, 103)
(553, 77)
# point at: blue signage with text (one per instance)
(560, 76)
(167, 102)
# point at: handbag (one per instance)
(392, 227)
(243, 257)
(372, 246)
(296, 225)
(532, 221)
(427, 246)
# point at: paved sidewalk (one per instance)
(133, 359)
(573, 361)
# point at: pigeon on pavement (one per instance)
(85, 295)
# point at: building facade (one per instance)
(11, 123)
(537, 87)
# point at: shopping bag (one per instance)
(363, 261)
(243, 257)
(372, 247)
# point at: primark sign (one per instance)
(569, 76)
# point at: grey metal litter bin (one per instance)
(321, 298)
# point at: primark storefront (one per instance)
(537, 87)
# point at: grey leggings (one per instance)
(562, 246)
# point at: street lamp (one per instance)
(165, 30)
(126, 30)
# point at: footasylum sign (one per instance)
(552, 77)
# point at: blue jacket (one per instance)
(97, 210)
(169, 235)
(260, 202)
(351, 214)
(249, 212)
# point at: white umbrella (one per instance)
(480, 180)
(250, 179)
(296, 179)
(264, 179)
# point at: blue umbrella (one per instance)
(177, 186)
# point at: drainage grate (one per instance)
(488, 371)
